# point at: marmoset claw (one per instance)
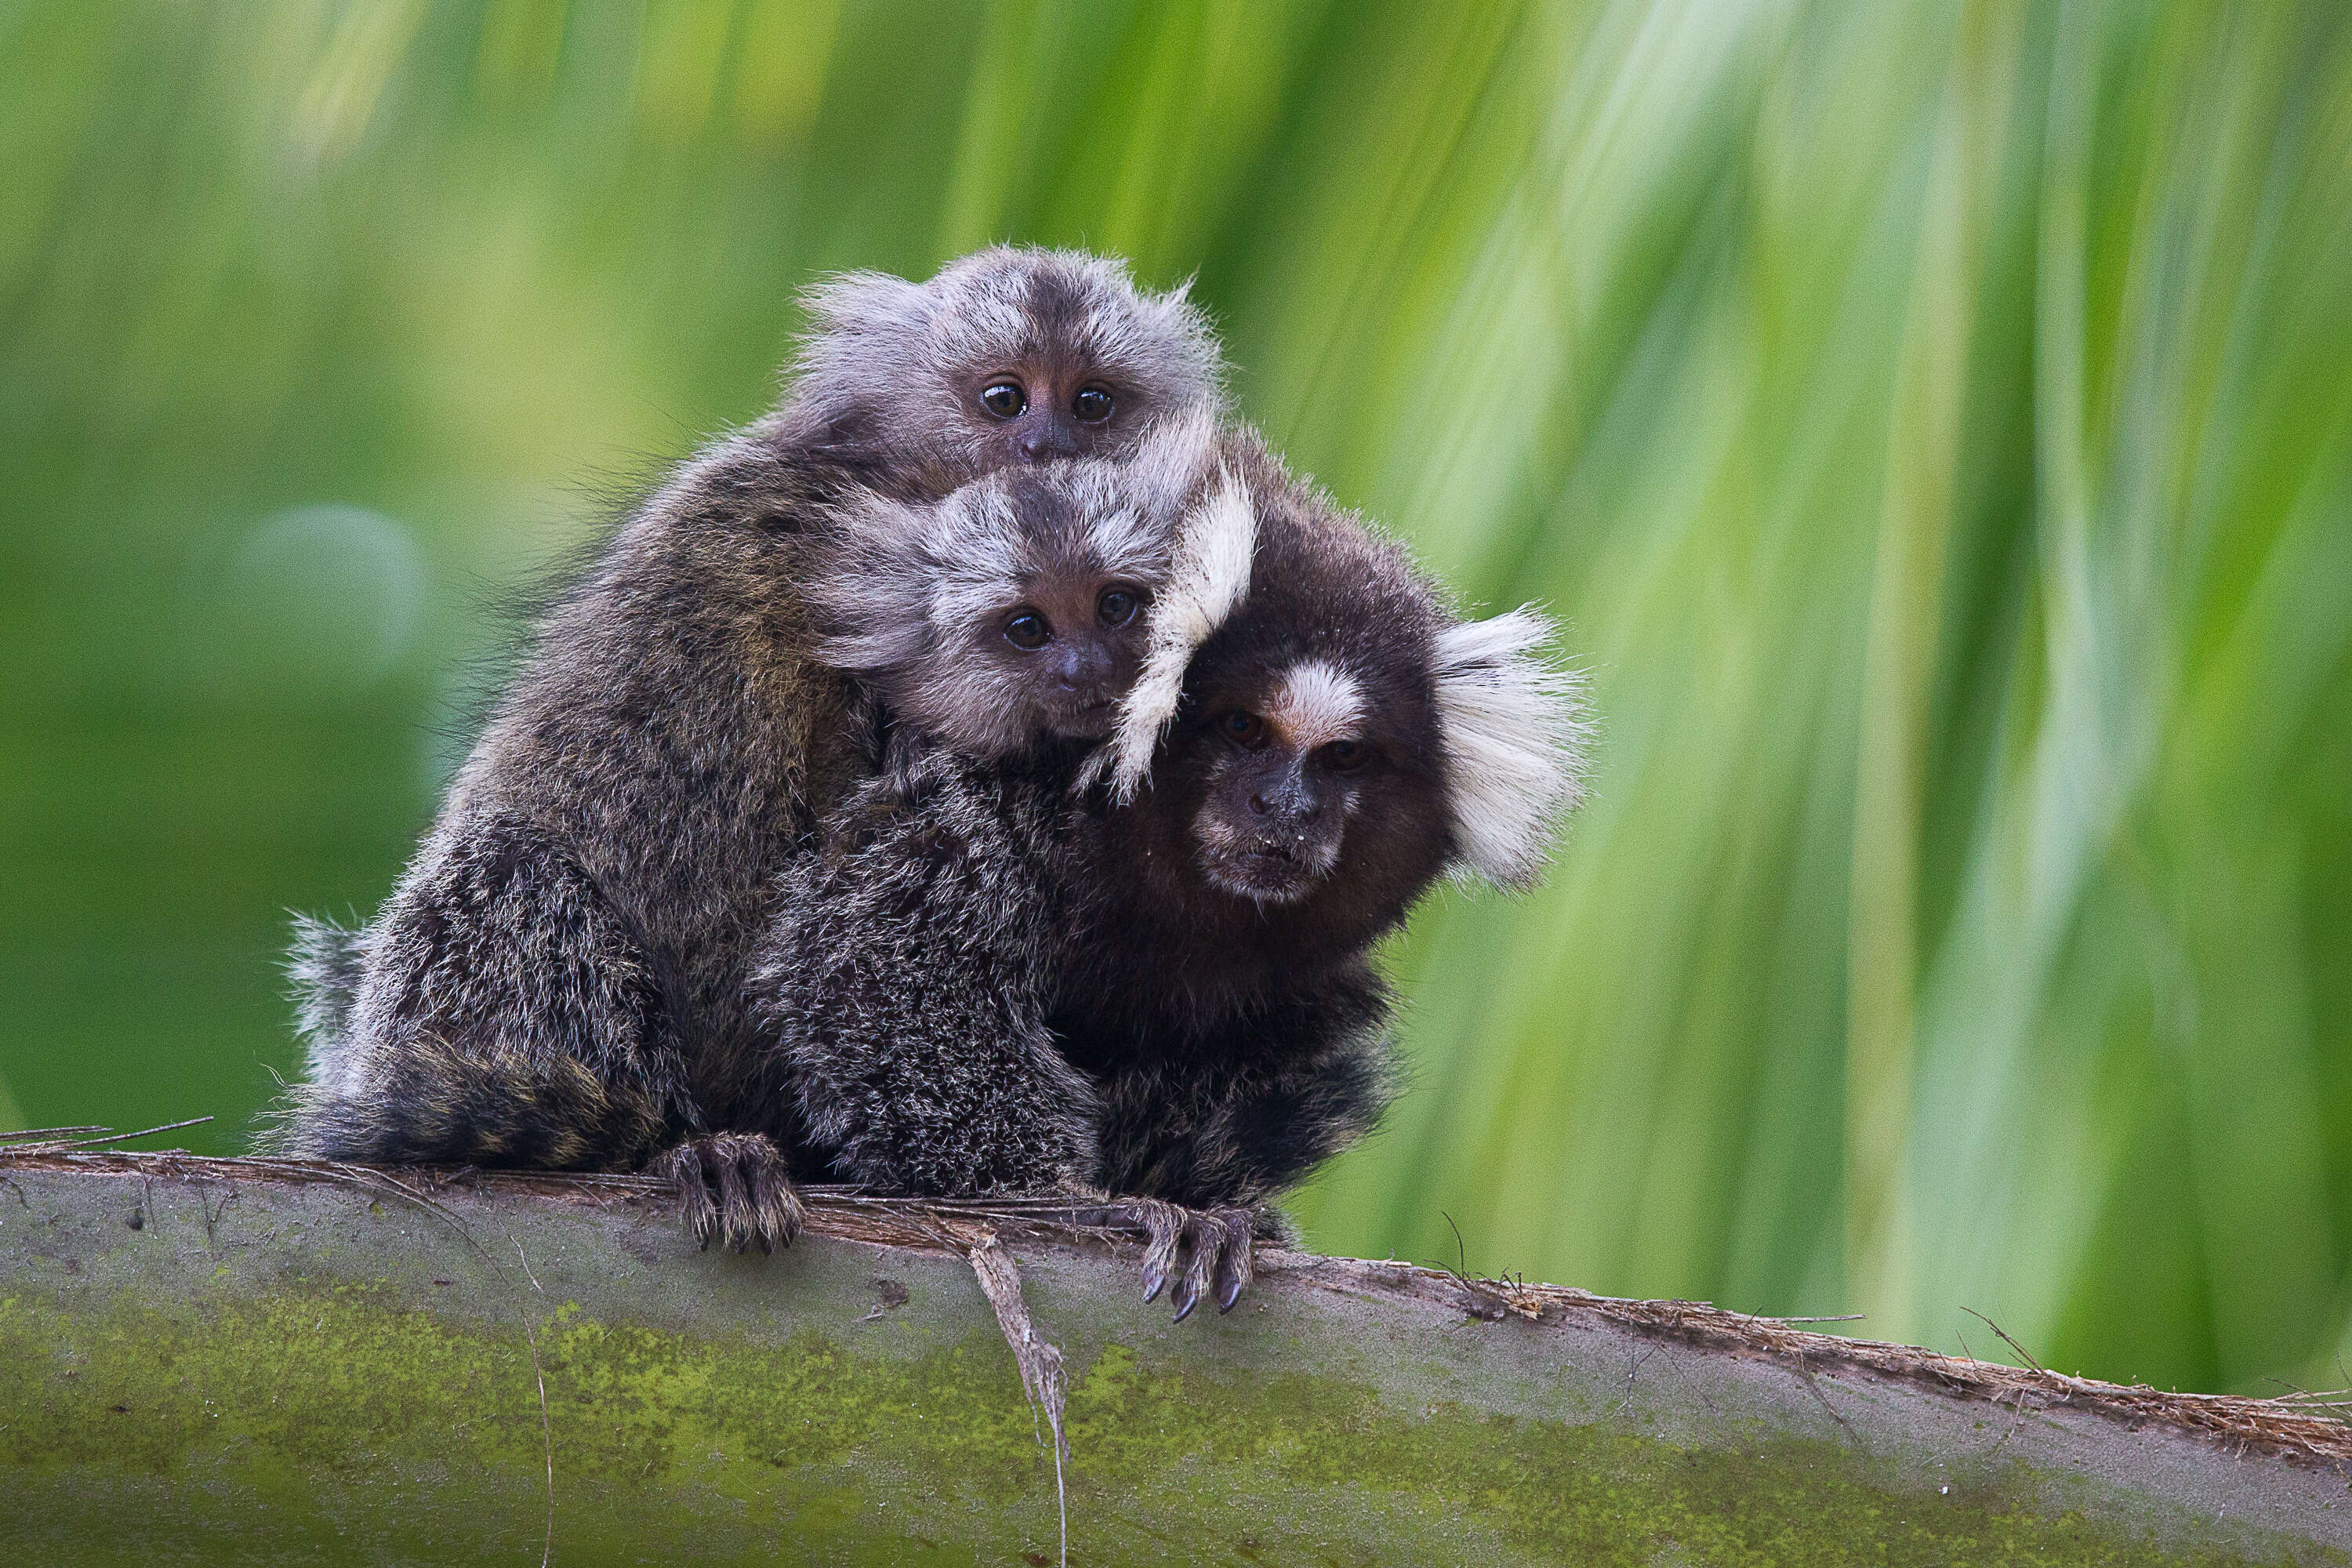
(1221, 1260)
(1206, 1251)
(1240, 1263)
(754, 1201)
(1164, 1224)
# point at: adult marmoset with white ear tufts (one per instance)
(1340, 739)
(558, 979)
(1336, 740)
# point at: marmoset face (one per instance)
(1048, 358)
(1011, 613)
(1057, 406)
(1036, 612)
(1008, 358)
(1304, 768)
(1069, 646)
(1303, 781)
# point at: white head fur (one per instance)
(1207, 580)
(1316, 702)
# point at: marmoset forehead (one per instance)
(999, 570)
(1315, 703)
(1074, 516)
(1312, 691)
(1042, 318)
(1037, 354)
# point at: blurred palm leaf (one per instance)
(1932, 421)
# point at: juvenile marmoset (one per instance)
(557, 981)
(999, 675)
(1314, 739)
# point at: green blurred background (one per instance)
(1931, 420)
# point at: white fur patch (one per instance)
(1514, 732)
(1208, 579)
(1316, 704)
(1172, 458)
(1126, 540)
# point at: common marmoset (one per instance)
(1314, 739)
(557, 981)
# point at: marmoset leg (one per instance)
(1205, 1136)
(923, 1085)
(506, 1015)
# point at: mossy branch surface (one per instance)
(267, 1361)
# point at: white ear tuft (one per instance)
(1206, 582)
(1172, 458)
(1515, 734)
(861, 326)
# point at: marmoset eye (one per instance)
(1118, 606)
(1004, 399)
(1345, 756)
(1246, 730)
(1028, 630)
(1092, 406)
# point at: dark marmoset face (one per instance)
(1067, 649)
(1289, 770)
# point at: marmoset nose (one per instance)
(1290, 800)
(1046, 439)
(1080, 664)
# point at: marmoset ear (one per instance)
(866, 304)
(1175, 456)
(863, 331)
(1515, 729)
(1184, 345)
(1207, 580)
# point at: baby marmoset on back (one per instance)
(1313, 739)
(557, 981)
(1001, 671)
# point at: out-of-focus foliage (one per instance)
(1931, 419)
